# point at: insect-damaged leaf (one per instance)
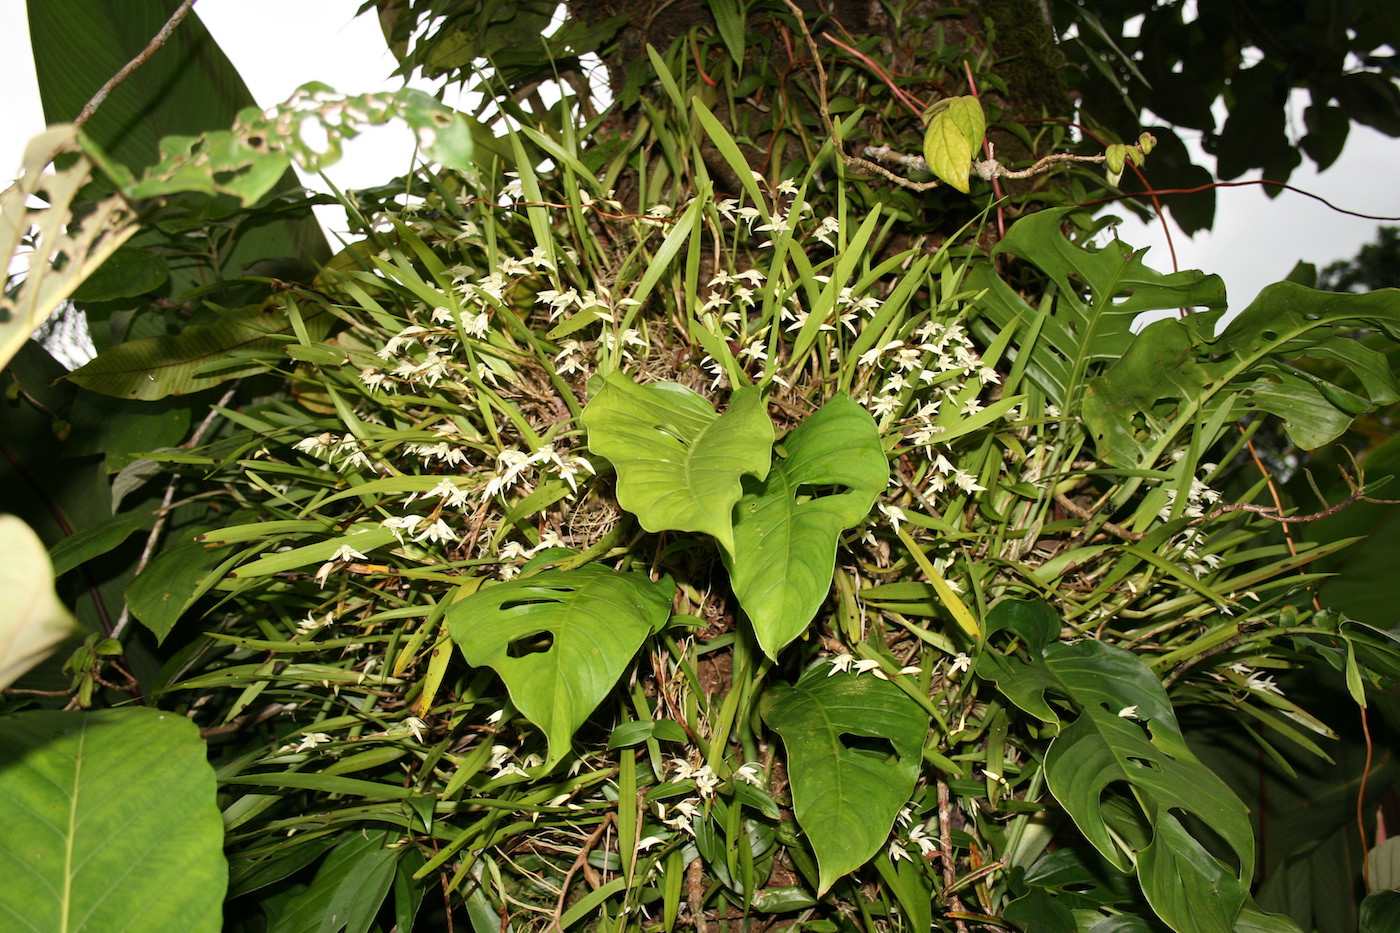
(853, 757)
(786, 527)
(678, 463)
(560, 640)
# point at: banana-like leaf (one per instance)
(853, 755)
(560, 640)
(188, 87)
(111, 823)
(1126, 734)
(200, 356)
(33, 621)
(786, 527)
(679, 465)
(61, 254)
(1097, 295)
(1176, 377)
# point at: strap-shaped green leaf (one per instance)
(560, 640)
(679, 465)
(785, 528)
(853, 758)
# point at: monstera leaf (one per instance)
(785, 528)
(560, 640)
(1176, 377)
(1126, 735)
(853, 754)
(1098, 294)
(679, 464)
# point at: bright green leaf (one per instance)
(678, 463)
(110, 823)
(786, 527)
(853, 758)
(560, 640)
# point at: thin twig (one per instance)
(1078, 511)
(163, 513)
(137, 62)
(579, 862)
(947, 854)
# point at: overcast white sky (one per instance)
(281, 44)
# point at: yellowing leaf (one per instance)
(953, 136)
(33, 621)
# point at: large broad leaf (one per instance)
(33, 621)
(678, 463)
(1177, 379)
(1185, 885)
(1126, 736)
(560, 640)
(200, 356)
(786, 527)
(110, 823)
(853, 754)
(1097, 295)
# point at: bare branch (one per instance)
(156, 42)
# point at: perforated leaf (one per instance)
(853, 758)
(1085, 322)
(1178, 377)
(678, 463)
(560, 640)
(1126, 736)
(831, 470)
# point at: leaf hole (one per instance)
(534, 643)
(871, 746)
(808, 491)
(671, 433)
(1146, 763)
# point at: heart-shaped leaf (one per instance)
(111, 823)
(560, 640)
(786, 527)
(679, 464)
(853, 758)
